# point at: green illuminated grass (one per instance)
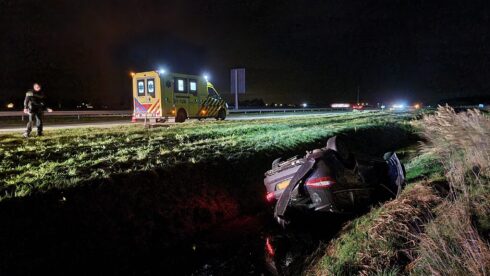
(66, 158)
(424, 166)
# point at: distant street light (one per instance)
(206, 77)
(304, 105)
(10, 105)
(161, 71)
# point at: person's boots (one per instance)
(25, 135)
(40, 134)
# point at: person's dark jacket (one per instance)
(34, 101)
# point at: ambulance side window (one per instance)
(180, 85)
(193, 86)
(141, 87)
(150, 84)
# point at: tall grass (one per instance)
(455, 242)
(462, 142)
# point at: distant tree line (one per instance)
(252, 103)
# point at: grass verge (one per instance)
(67, 158)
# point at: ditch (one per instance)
(200, 219)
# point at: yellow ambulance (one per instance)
(162, 96)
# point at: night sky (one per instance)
(294, 51)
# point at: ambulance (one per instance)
(163, 96)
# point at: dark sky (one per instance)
(294, 51)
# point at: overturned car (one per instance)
(331, 180)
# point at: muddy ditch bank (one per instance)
(204, 218)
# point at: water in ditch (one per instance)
(258, 246)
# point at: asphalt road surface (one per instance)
(113, 123)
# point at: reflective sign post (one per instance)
(237, 83)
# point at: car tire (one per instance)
(221, 114)
(181, 116)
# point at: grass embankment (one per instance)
(66, 158)
(130, 200)
(440, 223)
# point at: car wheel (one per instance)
(221, 114)
(181, 116)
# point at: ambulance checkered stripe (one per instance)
(212, 106)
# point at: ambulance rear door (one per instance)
(147, 95)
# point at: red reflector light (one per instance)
(269, 247)
(320, 182)
(270, 197)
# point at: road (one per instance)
(113, 123)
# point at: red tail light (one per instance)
(270, 197)
(320, 182)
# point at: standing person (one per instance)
(34, 106)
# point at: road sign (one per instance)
(238, 80)
(237, 83)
